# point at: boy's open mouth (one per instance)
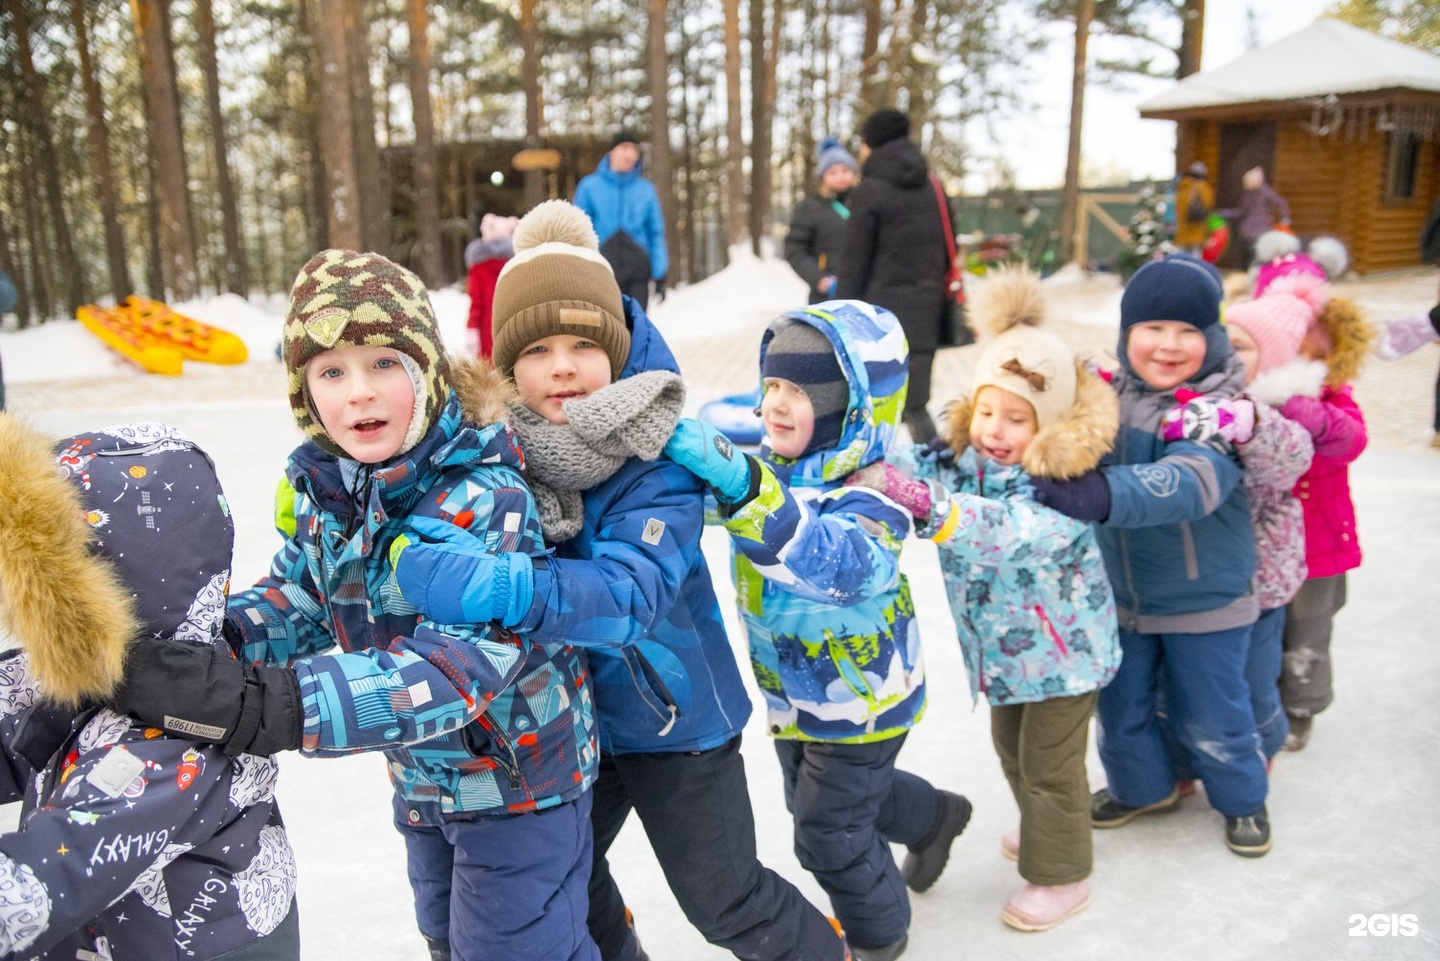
(368, 426)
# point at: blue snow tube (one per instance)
(735, 416)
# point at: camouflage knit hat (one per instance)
(558, 283)
(345, 299)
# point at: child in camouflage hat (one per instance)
(489, 737)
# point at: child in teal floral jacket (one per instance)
(1027, 584)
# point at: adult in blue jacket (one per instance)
(625, 210)
(600, 393)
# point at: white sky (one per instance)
(1115, 138)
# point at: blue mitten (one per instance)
(446, 573)
(1085, 498)
(710, 456)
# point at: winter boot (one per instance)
(887, 952)
(840, 933)
(926, 861)
(1299, 734)
(1040, 907)
(1185, 787)
(439, 948)
(1248, 836)
(1106, 812)
(639, 954)
(1010, 844)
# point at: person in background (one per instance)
(626, 212)
(895, 253)
(1194, 199)
(1260, 209)
(131, 845)
(831, 622)
(484, 258)
(817, 228)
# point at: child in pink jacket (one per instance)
(1339, 336)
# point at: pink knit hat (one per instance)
(1277, 322)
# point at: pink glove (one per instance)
(1308, 412)
(913, 495)
(1198, 419)
(1404, 335)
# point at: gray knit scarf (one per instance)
(633, 417)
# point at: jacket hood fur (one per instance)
(1071, 445)
(66, 605)
(1350, 336)
(485, 393)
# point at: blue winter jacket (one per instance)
(634, 589)
(833, 638)
(1027, 586)
(628, 202)
(472, 718)
(1178, 544)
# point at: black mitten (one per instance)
(201, 693)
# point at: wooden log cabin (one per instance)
(1345, 123)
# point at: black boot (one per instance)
(926, 861)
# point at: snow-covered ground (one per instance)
(1355, 830)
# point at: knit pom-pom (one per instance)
(1330, 254)
(829, 143)
(557, 222)
(1315, 291)
(1275, 243)
(1009, 297)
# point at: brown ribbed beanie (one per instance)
(346, 299)
(558, 283)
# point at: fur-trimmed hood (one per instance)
(1067, 448)
(485, 393)
(130, 535)
(1350, 337)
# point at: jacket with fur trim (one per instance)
(831, 624)
(473, 719)
(1027, 586)
(131, 845)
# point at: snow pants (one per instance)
(1306, 686)
(1041, 746)
(505, 887)
(1262, 671)
(1210, 716)
(695, 808)
(849, 804)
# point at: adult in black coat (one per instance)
(817, 227)
(895, 253)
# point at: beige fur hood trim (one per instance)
(485, 393)
(65, 605)
(1071, 445)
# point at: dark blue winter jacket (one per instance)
(642, 602)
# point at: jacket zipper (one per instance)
(1050, 628)
(671, 711)
(513, 768)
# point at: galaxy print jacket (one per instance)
(473, 719)
(829, 617)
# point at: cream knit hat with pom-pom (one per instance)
(1016, 355)
(558, 283)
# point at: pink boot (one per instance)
(1040, 907)
(1010, 844)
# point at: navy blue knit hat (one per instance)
(883, 126)
(1178, 287)
(803, 355)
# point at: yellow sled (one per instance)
(116, 331)
(157, 338)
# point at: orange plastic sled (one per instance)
(157, 338)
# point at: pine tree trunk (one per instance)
(337, 135)
(661, 166)
(734, 123)
(1070, 195)
(317, 207)
(97, 143)
(761, 73)
(33, 91)
(530, 81)
(374, 197)
(167, 147)
(872, 91)
(235, 266)
(1192, 43)
(422, 171)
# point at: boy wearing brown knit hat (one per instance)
(600, 394)
(488, 736)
